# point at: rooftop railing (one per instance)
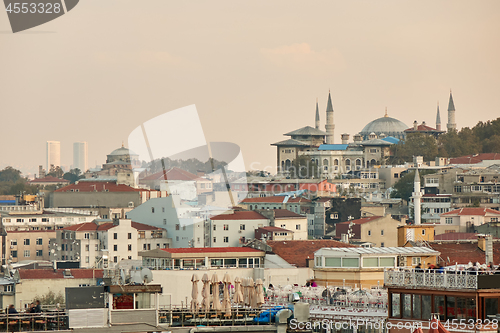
(409, 278)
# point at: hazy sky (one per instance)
(253, 68)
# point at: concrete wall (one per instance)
(16, 240)
(383, 230)
(87, 199)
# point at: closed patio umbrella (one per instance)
(194, 293)
(259, 293)
(238, 294)
(215, 293)
(205, 293)
(226, 302)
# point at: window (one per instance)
(32, 220)
(177, 226)
(149, 246)
(13, 242)
(226, 226)
(87, 235)
(369, 232)
(163, 209)
(382, 232)
(226, 239)
(129, 235)
(297, 227)
(115, 247)
(449, 220)
(334, 216)
(164, 221)
(39, 253)
(215, 239)
(152, 211)
(415, 261)
(382, 244)
(242, 227)
(27, 253)
(81, 219)
(87, 259)
(177, 238)
(13, 254)
(129, 257)
(39, 241)
(144, 247)
(494, 219)
(87, 247)
(97, 247)
(130, 247)
(7, 288)
(215, 227)
(27, 242)
(423, 231)
(115, 259)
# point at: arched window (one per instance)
(373, 162)
(347, 162)
(325, 162)
(288, 164)
(335, 162)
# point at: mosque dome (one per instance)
(121, 151)
(384, 125)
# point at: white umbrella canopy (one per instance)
(251, 293)
(205, 293)
(215, 293)
(238, 295)
(259, 291)
(226, 302)
(194, 293)
(244, 285)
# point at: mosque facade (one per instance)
(370, 147)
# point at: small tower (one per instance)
(345, 138)
(438, 120)
(330, 127)
(317, 115)
(451, 126)
(417, 197)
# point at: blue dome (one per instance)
(385, 125)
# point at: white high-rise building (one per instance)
(53, 154)
(80, 156)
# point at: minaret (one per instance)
(438, 120)
(330, 127)
(417, 197)
(317, 115)
(451, 126)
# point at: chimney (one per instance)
(345, 138)
(357, 138)
(344, 238)
(415, 125)
(481, 243)
(423, 123)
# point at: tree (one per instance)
(55, 171)
(415, 144)
(50, 298)
(304, 168)
(404, 187)
(9, 174)
(73, 175)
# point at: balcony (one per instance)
(410, 279)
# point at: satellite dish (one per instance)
(52, 250)
(58, 248)
(147, 275)
(135, 277)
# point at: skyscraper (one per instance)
(53, 154)
(80, 156)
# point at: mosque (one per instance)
(370, 146)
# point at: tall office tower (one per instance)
(80, 156)
(53, 154)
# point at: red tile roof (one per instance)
(274, 229)
(362, 220)
(285, 214)
(456, 236)
(210, 250)
(464, 252)
(97, 187)
(296, 252)
(50, 179)
(239, 215)
(423, 128)
(472, 211)
(275, 199)
(91, 226)
(80, 273)
(172, 174)
(473, 159)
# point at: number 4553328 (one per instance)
(32, 8)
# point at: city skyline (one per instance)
(253, 70)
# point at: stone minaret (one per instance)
(317, 115)
(417, 197)
(438, 120)
(330, 127)
(451, 126)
